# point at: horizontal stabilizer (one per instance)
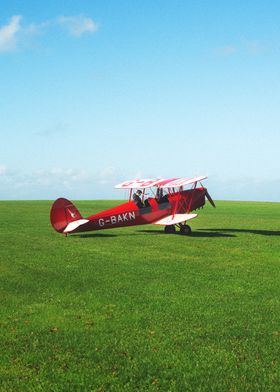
(73, 225)
(173, 220)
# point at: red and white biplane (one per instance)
(170, 206)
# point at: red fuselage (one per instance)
(128, 214)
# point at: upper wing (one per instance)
(177, 182)
(162, 183)
(131, 184)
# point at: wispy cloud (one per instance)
(56, 129)
(251, 47)
(226, 50)
(9, 34)
(37, 28)
(15, 34)
(58, 180)
(3, 170)
(106, 175)
(67, 176)
(77, 25)
(54, 178)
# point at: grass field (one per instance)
(135, 309)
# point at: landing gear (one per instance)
(185, 229)
(170, 229)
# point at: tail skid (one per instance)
(65, 217)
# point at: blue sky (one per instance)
(97, 92)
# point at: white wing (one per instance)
(131, 184)
(162, 183)
(173, 220)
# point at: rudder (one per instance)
(62, 213)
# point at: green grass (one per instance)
(135, 309)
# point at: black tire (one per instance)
(185, 229)
(171, 229)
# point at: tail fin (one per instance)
(63, 212)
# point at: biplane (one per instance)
(169, 204)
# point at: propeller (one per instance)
(209, 198)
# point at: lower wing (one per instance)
(173, 220)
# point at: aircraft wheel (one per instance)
(185, 229)
(170, 229)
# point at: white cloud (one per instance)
(55, 129)
(107, 172)
(9, 33)
(3, 170)
(51, 178)
(226, 50)
(251, 47)
(77, 25)
(254, 47)
(49, 183)
(67, 175)
(106, 175)
(36, 28)
(15, 34)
